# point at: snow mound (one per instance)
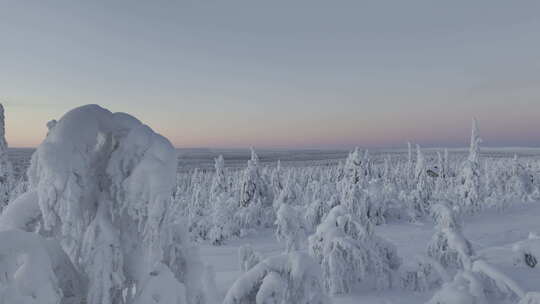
(287, 278)
(27, 271)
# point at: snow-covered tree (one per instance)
(283, 279)
(409, 166)
(482, 283)
(527, 252)
(448, 246)
(354, 169)
(104, 184)
(255, 200)
(418, 199)
(470, 191)
(277, 179)
(520, 183)
(6, 171)
(224, 224)
(219, 181)
(199, 207)
(425, 275)
(352, 255)
(290, 227)
(253, 188)
(223, 206)
(420, 166)
(289, 193)
(317, 211)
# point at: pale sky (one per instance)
(278, 74)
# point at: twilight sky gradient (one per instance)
(280, 74)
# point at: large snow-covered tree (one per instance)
(103, 182)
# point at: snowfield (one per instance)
(106, 211)
(492, 234)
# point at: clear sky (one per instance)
(282, 74)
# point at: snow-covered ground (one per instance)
(492, 234)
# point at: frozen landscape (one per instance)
(107, 211)
(270, 152)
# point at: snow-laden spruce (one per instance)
(255, 199)
(470, 192)
(6, 171)
(101, 185)
(351, 255)
(223, 205)
(290, 226)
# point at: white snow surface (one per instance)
(492, 234)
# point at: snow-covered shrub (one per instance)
(160, 286)
(23, 214)
(527, 252)
(351, 255)
(290, 228)
(531, 298)
(482, 283)
(448, 245)
(427, 274)
(27, 271)
(497, 286)
(466, 288)
(283, 279)
(317, 211)
(247, 257)
(20, 187)
(104, 184)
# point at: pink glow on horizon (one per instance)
(26, 128)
